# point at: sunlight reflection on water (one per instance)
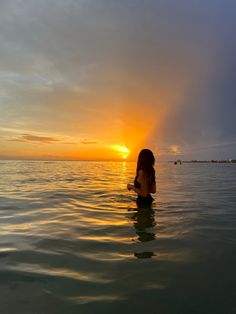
(72, 236)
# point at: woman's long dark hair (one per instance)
(146, 161)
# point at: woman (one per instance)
(145, 181)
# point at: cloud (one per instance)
(175, 149)
(88, 142)
(34, 139)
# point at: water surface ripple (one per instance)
(73, 240)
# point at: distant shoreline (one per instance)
(205, 161)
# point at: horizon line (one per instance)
(113, 160)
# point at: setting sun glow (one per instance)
(123, 150)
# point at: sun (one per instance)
(122, 149)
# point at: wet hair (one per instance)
(146, 161)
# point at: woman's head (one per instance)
(146, 160)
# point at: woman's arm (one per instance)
(132, 187)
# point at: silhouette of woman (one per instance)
(145, 181)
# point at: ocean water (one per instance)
(73, 241)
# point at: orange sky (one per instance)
(116, 139)
(68, 127)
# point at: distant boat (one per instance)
(178, 162)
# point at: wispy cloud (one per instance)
(88, 142)
(34, 139)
